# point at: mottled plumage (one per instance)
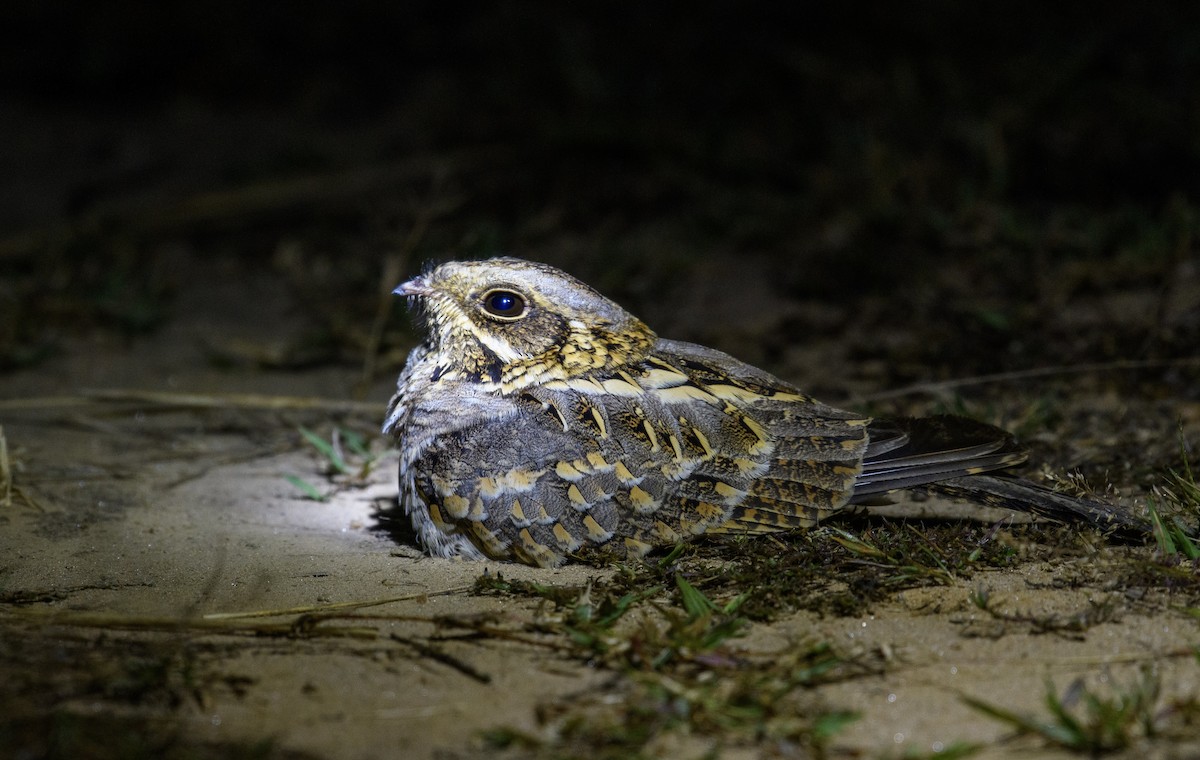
(539, 418)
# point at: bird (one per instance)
(539, 421)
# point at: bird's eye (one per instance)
(504, 304)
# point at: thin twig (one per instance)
(193, 401)
(305, 623)
(445, 658)
(231, 204)
(1027, 374)
(333, 606)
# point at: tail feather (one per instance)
(909, 452)
(875, 483)
(1021, 495)
(960, 457)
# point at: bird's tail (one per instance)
(967, 459)
(1018, 494)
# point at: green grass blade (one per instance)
(326, 448)
(308, 488)
(694, 602)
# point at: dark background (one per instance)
(934, 187)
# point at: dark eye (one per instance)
(504, 304)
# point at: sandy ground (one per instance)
(138, 519)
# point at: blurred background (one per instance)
(857, 197)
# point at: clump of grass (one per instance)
(670, 644)
(644, 716)
(1174, 511)
(1180, 497)
(665, 635)
(1086, 721)
(348, 461)
(334, 449)
(1171, 537)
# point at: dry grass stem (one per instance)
(193, 401)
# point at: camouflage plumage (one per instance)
(540, 418)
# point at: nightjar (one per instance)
(539, 418)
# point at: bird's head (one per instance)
(511, 323)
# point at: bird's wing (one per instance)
(683, 442)
(907, 452)
(813, 452)
(531, 484)
(582, 461)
